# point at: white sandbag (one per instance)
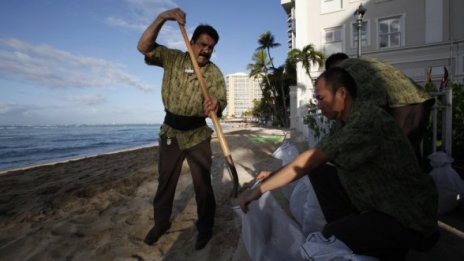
(298, 199)
(314, 219)
(317, 247)
(305, 208)
(303, 203)
(286, 152)
(268, 233)
(450, 185)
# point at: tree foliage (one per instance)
(307, 56)
(274, 92)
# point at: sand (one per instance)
(100, 208)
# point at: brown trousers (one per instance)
(199, 160)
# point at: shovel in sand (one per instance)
(212, 115)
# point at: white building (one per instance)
(413, 35)
(241, 91)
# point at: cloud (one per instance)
(5, 108)
(143, 12)
(15, 111)
(47, 66)
(119, 22)
(88, 99)
(146, 10)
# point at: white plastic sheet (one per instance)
(268, 233)
(286, 152)
(450, 185)
(313, 218)
(300, 194)
(319, 248)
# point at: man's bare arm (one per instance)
(300, 166)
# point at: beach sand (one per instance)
(100, 208)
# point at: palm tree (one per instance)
(261, 64)
(266, 42)
(261, 68)
(307, 56)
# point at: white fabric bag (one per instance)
(313, 218)
(268, 233)
(303, 203)
(450, 185)
(286, 152)
(319, 248)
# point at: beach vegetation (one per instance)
(274, 87)
(309, 56)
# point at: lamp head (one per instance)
(360, 11)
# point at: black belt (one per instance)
(183, 123)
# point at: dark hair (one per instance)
(337, 77)
(334, 59)
(205, 29)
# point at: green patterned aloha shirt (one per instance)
(379, 170)
(181, 92)
(383, 84)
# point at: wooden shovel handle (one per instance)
(212, 114)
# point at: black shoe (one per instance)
(155, 233)
(202, 240)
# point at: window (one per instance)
(390, 32)
(332, 38)
(364, 35)
(333, 35)
(328, 6)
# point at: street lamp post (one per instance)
(359, 14)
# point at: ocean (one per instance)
(23, 146)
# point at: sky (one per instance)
(76, 62)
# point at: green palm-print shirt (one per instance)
(382, 84)
(181, 92)
(379, 170)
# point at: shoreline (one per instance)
(77, 158)
(228, 127)
(231, 127)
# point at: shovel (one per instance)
(212, 115)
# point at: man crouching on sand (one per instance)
(376, 199)
(184, 133)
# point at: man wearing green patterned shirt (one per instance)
(184, 133)
(387, 87)
(376, 199)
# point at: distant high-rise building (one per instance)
(241, 91)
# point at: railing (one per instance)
(443, 107)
